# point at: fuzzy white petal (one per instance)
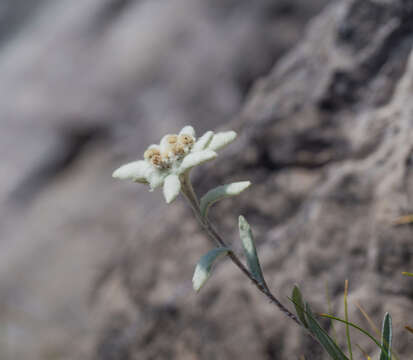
(171, 188)
(188, 130)
(222, 139)
(203, 141)
(136, 171)
(156, 178)
(165, 146)
(196, 158)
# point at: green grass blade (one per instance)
(322, 336)
(386, 337)
(354, 326)
(407, 273)
(297, 300)
(346, 318)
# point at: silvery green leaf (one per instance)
(187, 130)
(386, 338)
(322, 336)
(297, 299)
(204, 266)
(171, 188)
(250, 250)
(222, 139)
(203, 141)
(221, 192)
(136, 171)
(196, 158)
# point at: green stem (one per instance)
(346, 318)
(190, 195)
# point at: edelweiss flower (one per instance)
(166, 164)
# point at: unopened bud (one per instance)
(172, 139)
(186, 139)
(179, 149)
(150, 153)
(156, 160)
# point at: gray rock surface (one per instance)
(85, 86)
(94, 268)
(327, 139)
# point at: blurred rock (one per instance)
(327, 140)
(86, 86)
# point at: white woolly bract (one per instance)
(196, 158)
(136, 171)
(203, 141)
(222, 139)
(171, 188)
(188, 130)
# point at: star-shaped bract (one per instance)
(175, 156)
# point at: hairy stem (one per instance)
(190, 195)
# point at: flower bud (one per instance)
(150, 153)
(156, 160)
(185, 139)
(179, 149)
(172, 139)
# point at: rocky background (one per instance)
(93, 268)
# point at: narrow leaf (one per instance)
(386, 338)
(221, 192)
(407, 273)
(297, 299)
(204, 266)
(374, 327)
(322, 336)
(250, 250)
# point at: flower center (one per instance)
(177, 146)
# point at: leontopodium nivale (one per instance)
(167, 163)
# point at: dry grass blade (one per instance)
(408, 328)
(403, 220)
(346, 318)
(330, 311)
(363, 352)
